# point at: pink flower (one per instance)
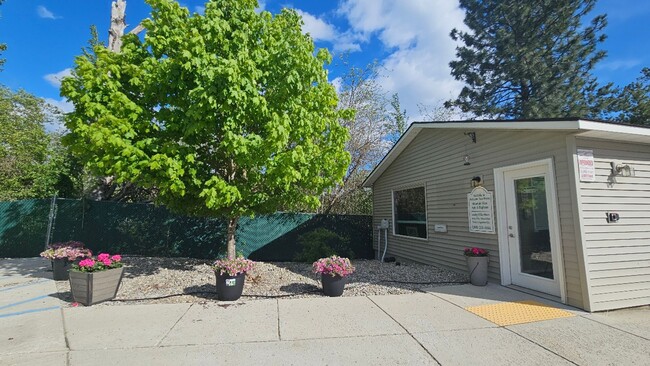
(103, 256)
(476, 252)
(107, 262)
(116, 258)
(333, 265)
(88, 262)
(233, 266)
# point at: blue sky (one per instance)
(409, 38)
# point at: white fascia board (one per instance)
(614, 128)
(515, 125)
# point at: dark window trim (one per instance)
(426, 214)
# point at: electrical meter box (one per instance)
(384, 224)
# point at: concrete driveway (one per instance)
(428, 328)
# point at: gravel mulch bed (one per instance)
(182, 280)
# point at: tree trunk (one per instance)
(232, 228)
(118, 24)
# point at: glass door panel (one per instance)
(532, 218)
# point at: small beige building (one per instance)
(563, 206)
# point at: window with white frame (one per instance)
(409, 212)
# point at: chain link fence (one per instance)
(143, 229)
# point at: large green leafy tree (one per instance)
(633, 101)
(227, 114)
(529, 59)
(33, 163)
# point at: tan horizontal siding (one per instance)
(615, 266)
(614, 281)
(613, 243)
(624, 294)
(634, 235)
(629, 214)
(620, 257)
(434, 159)
(629, 220)
(621, 272)
(614, 228)
(601, 208)
(617, 250)
(619, 302)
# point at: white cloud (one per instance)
(54, 121)
(199, 9)
(262, 5)
(321, 30)
(43, 12)
(338, 84)
(416, 33)
(62, 104)
(55, 79)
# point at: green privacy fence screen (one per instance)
(148, 230)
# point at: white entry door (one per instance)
(531, 226)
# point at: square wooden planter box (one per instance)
(95, 287)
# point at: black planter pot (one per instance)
(60, 269)
(333, 285)
(230, 288)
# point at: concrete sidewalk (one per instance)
(429, 328)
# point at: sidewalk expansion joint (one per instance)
(65, 330)
(406, 330)
(173, 326)
(539, 345)
(508, 329)
(277, 307)
(614, 327)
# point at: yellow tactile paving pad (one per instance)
(518, 312)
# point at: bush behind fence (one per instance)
(148, 230)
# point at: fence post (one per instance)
(83, 212)
(50, 223)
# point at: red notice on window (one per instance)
(586, 165)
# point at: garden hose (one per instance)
(287, 295)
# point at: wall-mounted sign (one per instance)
(440, 228)
(480, 210)
(586, 165)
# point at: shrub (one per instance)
(322, 243)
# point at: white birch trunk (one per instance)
(118, 24)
